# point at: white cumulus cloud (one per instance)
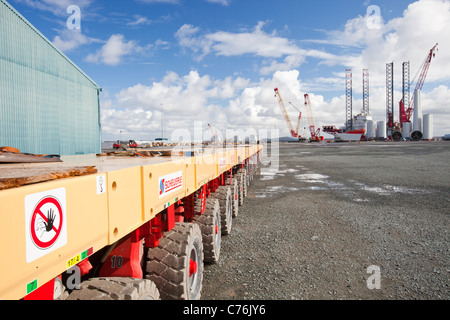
(239, 103)
(114, 50)
(57, 7)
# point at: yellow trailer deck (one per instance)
(46, 228)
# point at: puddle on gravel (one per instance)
(268, 178)
(406, 190)
(271, 174)
(311, 177)
(377, 190)
(312, 181)
(317, 188)
(387, 190)
(273, 191)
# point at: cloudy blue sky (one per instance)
(218, 61)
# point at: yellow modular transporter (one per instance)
(123, 228)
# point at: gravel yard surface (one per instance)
(330, 218)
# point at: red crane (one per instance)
(294, 134)
(215, 136)
(315, 134)
(299, 119)
(405, 116)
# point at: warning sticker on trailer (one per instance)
(45, 223)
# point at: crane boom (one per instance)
(299, 119)
(215, 136)
(298, 124)
(315, 134)
(423, 75)
(285, 114)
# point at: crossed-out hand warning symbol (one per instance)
(46, 222)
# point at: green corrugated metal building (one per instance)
(47, 104)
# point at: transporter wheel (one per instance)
(223, 194)
(240, 187)
(234, 195)
(116, 289)
(198, 201)
(242, 176)
(253, 166)
(250, 171)
(210, 226)
(247, 183)
(176, 265)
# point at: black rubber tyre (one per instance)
(246, 183)
(234, 195)
(223, 194)
(249, 172)
(253, 167)
(238, 177)
(210, 225)
(116, 289)
(197, 202)
(242, 181)
(169, 265)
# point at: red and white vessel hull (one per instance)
(349, 136)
